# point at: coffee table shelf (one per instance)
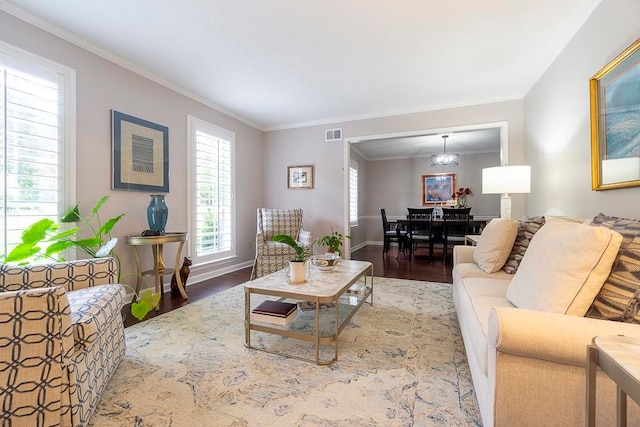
(319, 326)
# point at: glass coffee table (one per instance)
(327, 302)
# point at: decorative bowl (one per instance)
(326, 262)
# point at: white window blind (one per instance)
(33, 143)
(353, 193)
(213, 185)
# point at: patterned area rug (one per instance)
(401, 363)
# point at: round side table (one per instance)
(159, 269)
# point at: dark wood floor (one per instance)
(421, 267)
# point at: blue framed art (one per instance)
(438, 188)
(140, 159)
(615, 122)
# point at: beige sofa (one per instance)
(528, 363)
(61, 339)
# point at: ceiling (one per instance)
(475, 141)
(280, 64)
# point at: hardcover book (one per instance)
(275, 308)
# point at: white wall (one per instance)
(557, 126)
(103, 86)
(324, 205)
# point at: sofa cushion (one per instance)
(495, 243)
(476, 297)
(564, 268)
(471, 270)
(527, 227)
(621, 290)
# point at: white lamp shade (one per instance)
(506, 179)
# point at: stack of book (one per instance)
(356, 288)
(277, 312)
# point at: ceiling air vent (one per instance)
(333, 135)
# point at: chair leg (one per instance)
(444, 255)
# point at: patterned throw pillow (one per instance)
(618, 298)
(527, 227)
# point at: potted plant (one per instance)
(297, 264)
(44, 240)
(332, 241)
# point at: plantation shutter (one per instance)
(353, 194)
(213, 187)
(31, 147)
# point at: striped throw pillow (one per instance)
(527, 227)
(619, 298)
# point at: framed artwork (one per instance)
(140, 159)
(438, 188)
(615, 122)
(300, 177)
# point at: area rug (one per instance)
(401, 363)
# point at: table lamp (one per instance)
(504, 180)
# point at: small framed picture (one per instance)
(300, 177)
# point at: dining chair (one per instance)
(420, 229)
(392, 233)
(455, 228)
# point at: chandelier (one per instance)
(445, 159)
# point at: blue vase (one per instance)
(157, 213)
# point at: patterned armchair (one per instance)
(61, 339)
(273, 256)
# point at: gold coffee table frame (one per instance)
(321, 287)
(159, 269)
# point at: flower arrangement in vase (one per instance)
(461, 196)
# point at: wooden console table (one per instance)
(159, 269)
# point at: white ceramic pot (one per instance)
(297, 271)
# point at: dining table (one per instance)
(475, 225)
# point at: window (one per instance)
(37, 146)
(353, 193)
(212, 217)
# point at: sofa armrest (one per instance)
(553, 337)
(37, 343)
(462, 254)
(71, 275)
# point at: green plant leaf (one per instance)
(150, 297)
(37, 231)
(98, 205)
(22, 251)
(89, 242)
(58, 247)
(72, 215)
(106, 228)
(286, 239)
(64, 234)
(140, 309)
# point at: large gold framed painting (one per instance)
(140, 154)
(615, 122)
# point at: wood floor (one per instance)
(421, 267)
